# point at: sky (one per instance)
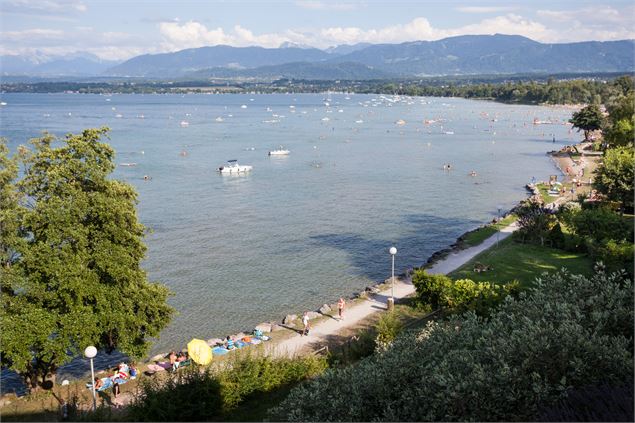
(120, 29)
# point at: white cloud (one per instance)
(601, 23)
(320, 5)
(43, 7)
(32, 35)
(192, 34)
(484, 9)
(509, 24)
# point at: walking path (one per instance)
(354, 314)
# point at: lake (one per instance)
(364, 172)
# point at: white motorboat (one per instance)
(232, 167)
(279, 152)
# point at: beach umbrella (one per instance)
(199, 351)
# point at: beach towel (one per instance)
(107, 383)
(255, 341)
(159, 367)
(219, 351)
(240, 344)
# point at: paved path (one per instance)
(321, 331)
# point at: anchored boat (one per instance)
(279, 152)
(232, 166)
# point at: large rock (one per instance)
(313, 314)
(275, 327)
(325, 309)
(289, 319)
(264, 327)
(372, 289)
(158, 357)
(214, 341)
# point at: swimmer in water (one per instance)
(473, 173)
(146, 178)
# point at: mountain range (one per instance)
(462, 55)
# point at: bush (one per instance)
(556, 237)
(431, 288)
(190, 395)
(566, 333)
(461, 295)
(615, 255)
(388, 327)
(195, 395)
(247, 373)
(601, 224)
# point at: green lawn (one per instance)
(522, 262)
(481, 234)
(544, 193)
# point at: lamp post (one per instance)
(499, 207)
(391, 301)
(91, 352)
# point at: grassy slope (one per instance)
(481, 234)
(522, 262)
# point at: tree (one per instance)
(587, 119)
(614, 177)
(534, 222)
(77, 275)
(621, 128)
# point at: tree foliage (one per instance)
(565, 333)
(588, 119)
(440, 291)
(620, 130)
(534, 221)
(76, 274)
(614, 177)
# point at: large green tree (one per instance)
(588, 119)
(614, 177)
(76, 278)
(620, 130)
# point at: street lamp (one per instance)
(391, 300)
(91, 352)
(499, 207)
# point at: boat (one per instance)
(185, 123)
(232, 167)
(219, 119)
(279, 152)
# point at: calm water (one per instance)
(300, 230)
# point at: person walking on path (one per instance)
(340, 308)
(305, 322)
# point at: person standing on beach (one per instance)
(305, 322)
(340, 308)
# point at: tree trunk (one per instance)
(586, 135)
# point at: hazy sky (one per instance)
(119, 29)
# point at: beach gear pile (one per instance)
(123, 374)
(232, 344)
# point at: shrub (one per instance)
(190, 395)
(247, 373)
(195, 395)
(556, 237)
(566, 333)
(431, 288)
(601, 223)
(388, 327)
